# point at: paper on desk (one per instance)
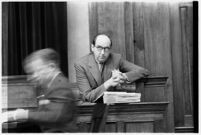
(121, 97)
(7, 116)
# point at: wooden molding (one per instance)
(154, 80)
(150, 80)
(127, 107)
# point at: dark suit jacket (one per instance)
(59, 114)
(89, 78)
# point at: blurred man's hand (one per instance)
(7, 116)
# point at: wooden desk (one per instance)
(150, 115)
(137, 117)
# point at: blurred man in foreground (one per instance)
(57, 109)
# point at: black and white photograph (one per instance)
(99, 66)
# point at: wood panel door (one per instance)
(182, 61)
(157, 46)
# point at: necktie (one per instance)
(100, 66)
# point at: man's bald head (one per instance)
(102, 39)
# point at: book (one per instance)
(120, 97)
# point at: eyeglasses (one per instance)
(100, 48)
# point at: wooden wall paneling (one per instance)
(159, 126)
(140, 127)
(186, 61)
(111, 22)
(188, 116)
(120, 127)
(155, 90)
(129, 36)
(110, 127)
(138, 30)
(190, 46)
(177, 68)
(189, 33)
(157, 39)
(157, 48)
(154, 94)
(138, 119)
(83, 127)
(18, 93)
(4, 38)
(148, 117)
(187, 45)
(93, 17)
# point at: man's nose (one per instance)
(102, 51)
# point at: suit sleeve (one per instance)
(59, 109)
(132, 71)
(88, 93)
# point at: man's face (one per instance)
(38, 70)
(101, 49)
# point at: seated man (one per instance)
(102, 71)
(57, 109)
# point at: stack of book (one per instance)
(121, 97)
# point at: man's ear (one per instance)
(92, 47)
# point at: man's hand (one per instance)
(121, 76)
(21, 114)
(17, 115)
(112, 82)
(116, 79)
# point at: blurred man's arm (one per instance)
(56, 109)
